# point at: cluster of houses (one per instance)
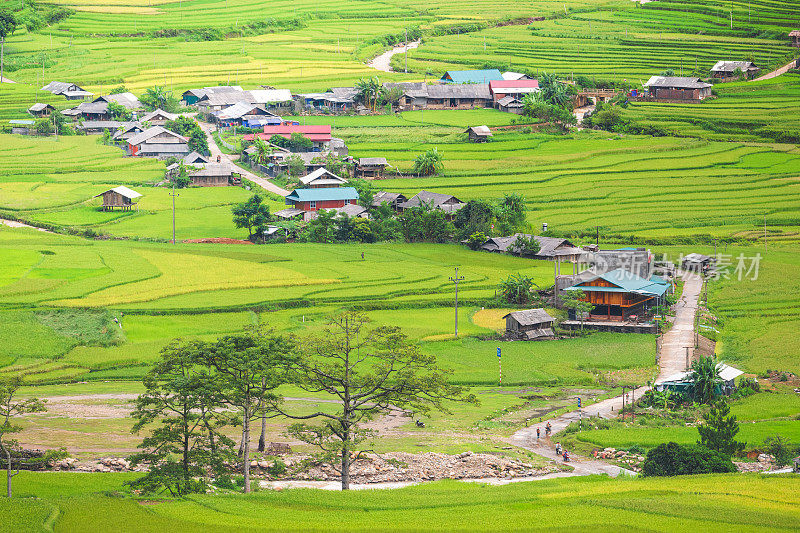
(324, 190)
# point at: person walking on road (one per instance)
(538, 433)
(548, 429)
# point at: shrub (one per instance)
(476, 240)
(673, 459)
(781, 448)
(277, 468)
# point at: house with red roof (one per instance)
(499, 89)
(319, 135)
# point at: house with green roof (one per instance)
(471, 76)
(621, 295)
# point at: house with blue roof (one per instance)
(306, 201)
(471, 76)
(621, 295)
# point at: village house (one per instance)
(279, 160)
(369, 168)
(414, 94)
(89, 111)
(192, 96)
(121, 198)
(335, 99)
(310, 200)
(514, 76)
(126, 100)
(98, 127)
(794, 35)
(392, 199)
(41, 110)
(320, 136)
(350, 210)
(670, 88)
(193, 160)
(321, 179)
(499, 89)
(236, 114)
(274, 100)
(509, 104)
(466, 96)
(529, 325)
(731, 70)
(128, 130)
(698, 263)
(159, 142)
(158, 117)
(618, 296)
(21, 126)
(218, 101)
(550, 248)
(68, 90)
(446, 202)
(471, 76)
(682, 382)
(213, 175)
(478, 134)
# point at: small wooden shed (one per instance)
(370, 168)
(40, 110)
(529, 325)
(119, 197)
(479, 134)
(213, 175)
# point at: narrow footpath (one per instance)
(777, 72)
(672, 359)
(258, 180)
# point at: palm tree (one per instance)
(369, 91)
(263, 151)
(705, 376)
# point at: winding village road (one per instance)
(384, 61)
(215, 151)
(672, 359)
(777, 72)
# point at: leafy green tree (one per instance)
(322, 228)
(366, 194)
(475, 217)
(719, 429)
(295, 166)
(10, 408)
(510, 214)
(187, 127)
(425, 224)
(119, 112)
(249, 367)
(672, 459)
(43, 126)
(252, 214)
(476, 240)
(517, 289)
(576, 300)
(118, 89)
(781, 449)
(364, 230)
(705, 379)
(181, 178)
(8, 23)
(299, 143)
(526, 246)
(158, 97)
(182, 398)
(368, 372)
(428, 163)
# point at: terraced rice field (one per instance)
(746, 111)
(79, 502)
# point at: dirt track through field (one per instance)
(777, 72)
(384, 61)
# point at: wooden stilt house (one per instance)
(120, 197)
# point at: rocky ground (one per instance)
(369, 468)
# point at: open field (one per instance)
(743, 503)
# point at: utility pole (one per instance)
(765, 232)
(406, 44)
(173, 194)
(597, 239)
(687, 358)
(455, 279)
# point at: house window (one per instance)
(347, 202)
(312, 205)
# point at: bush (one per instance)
(277, 468)
(673, 459)
(781, 448)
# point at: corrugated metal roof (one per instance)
(475, 91)
(320, 176)
(624, 281)
(321, 195)
(427, 197)
(530, 317)
(149, 133)
(482, 131)
(674, 81)
(730, 66)
(158, 113)
(471, 76)
(122, 190)
(372, 161)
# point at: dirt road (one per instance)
(215, 151)
(775, 73)
(672, 359)
(383, 62)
